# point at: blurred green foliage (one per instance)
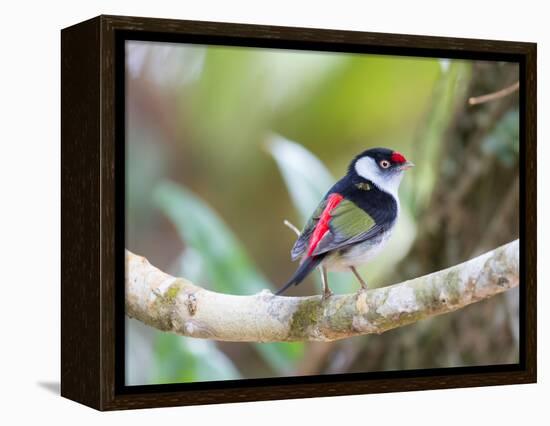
(448, 90)
(227, 266)
(190, 360)
(225, 261)
(210, 180)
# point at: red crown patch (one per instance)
(397, 157)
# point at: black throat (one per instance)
(378, 204)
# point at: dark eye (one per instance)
(384, 164)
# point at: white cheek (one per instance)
(367, 168)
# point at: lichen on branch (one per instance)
(177, 305)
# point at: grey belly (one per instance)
(357, 254)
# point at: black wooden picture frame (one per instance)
(92, 206)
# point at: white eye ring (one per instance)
(384, 164)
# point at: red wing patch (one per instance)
(322, 226)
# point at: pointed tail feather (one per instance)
(302, 272)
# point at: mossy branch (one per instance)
(176, 305)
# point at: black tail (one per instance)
(302, 272)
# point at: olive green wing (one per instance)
(348, 224)
(301, 245)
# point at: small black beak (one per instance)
(406, 166)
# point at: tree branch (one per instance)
(495, 95)
(176, 305)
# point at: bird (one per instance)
(354, 220)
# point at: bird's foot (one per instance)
(327, 294)
(361, 290)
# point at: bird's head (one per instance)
(381, 166)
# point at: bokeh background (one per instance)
(224, 143)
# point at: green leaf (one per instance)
(223, 258)
(228, 267)
(449, 89)
(181, 359)
(306, 178)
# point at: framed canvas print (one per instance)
(254, 212)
